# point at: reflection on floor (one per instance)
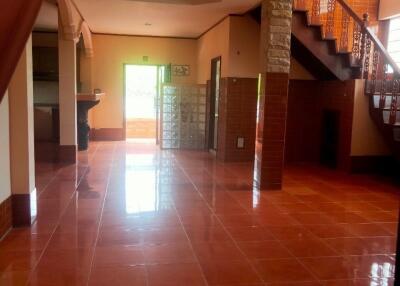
(141, 216)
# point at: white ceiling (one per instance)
(47, 19)
(179, 18)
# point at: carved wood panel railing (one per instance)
(355, 36)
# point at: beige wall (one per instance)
(389, 9)
(112, 52)
(215, 43)
(237, 41)
(244, 47)
(299, 72)
(5, 184)
(366, 138)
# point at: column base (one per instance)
(24, 209)
(268, 186)
(5, 217)
(67, 154)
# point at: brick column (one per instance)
(273, 97)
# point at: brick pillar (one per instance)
(273, 97)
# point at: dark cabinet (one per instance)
(45, 63)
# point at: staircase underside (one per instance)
(319, 54)
(309, 61)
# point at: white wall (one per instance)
(5, 184)
(389, 9)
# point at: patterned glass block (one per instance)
(183, 116)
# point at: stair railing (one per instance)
(366, 52)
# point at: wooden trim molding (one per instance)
(24, 209)
(67, 154)
(373, 164)
(5, 217)
(107, 134)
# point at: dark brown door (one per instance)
(330, 138)
(214, 103)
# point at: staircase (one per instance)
(341, 46)
(16, 23)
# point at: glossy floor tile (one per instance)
(131, 214)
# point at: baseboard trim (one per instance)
(5, 217)
(107, 134)
(67, 154)
(372, 164)
(52, 152)
(24, 209)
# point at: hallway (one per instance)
(141, 216)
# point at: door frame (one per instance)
(124, 97)
(211, 105)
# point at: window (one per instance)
(394, 40)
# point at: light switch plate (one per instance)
(240, 143)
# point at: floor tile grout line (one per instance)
(228, 233)
(186, 234)
(215, 212)
(101, 213)
(49, 182)
(52, 233)
(278, 241)
(323, 241)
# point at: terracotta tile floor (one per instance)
(129, 214)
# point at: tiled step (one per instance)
(388, 101)
(396, 134)
(386, 117)
(376, 88)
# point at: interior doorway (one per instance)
(214, 103)
(141, 102)
(330, 138)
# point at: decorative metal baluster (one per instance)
(393, 105)
(344, 36)
(367, 57)
(315, 11)
(382, 100)
(374, 73)
(362, 48)
(330, 22)
(364, 38)
(356, 42)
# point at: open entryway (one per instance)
(141, 101)
(214, 100)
